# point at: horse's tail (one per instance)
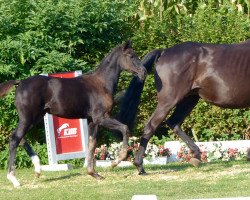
(150, 58)
(130, 101)
(6, 87)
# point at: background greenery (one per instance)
(53, 36)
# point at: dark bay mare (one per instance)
(89, 96)
(217, 73)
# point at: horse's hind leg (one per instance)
(34, 158)
(182, 110)
(92, 145)
(113, 124)
(15, 140)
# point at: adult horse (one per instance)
(217, 73)
(88, 96)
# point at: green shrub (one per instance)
(215, 25)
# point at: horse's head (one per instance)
(129, 61)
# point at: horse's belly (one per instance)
(226, 89)
(71, 111)
(231, 98)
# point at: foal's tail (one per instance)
(131, 99)
(6, 87)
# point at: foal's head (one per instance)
(130, 62)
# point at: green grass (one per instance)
(171, 181)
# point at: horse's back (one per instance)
(31, 86)
(49, 94)
(219, 73)
(223, 73)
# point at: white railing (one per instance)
(175, 146)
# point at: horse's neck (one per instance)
(109, 73)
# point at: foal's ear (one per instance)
(127, 45)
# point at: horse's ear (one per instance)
(127, 45)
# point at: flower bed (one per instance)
(153, 155)
(173, 151)
(210, 151)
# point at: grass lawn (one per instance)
(171, 181)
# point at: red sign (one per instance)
(67, 131)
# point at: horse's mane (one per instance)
(108, 56)
(103, 61)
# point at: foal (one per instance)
(89, 96)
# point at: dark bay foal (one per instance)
(88, 96)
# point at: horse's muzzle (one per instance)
(142, 73)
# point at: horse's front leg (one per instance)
(93, 128)
(138, 162)
(113, 124)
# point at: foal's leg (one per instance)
(157, 117)
(92, 145)
(15, 140)
(113, 124)
(182, 110)
(34, 158)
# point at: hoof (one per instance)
(97, 176)
(17, 185)
(13, 180)
(114, 164)
(142, 173)
(37, 174)
(195, 162)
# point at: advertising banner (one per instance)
(66, 138)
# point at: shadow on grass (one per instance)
(177, 166)
(63, 177)
(222, 164)
(169, 167)
(149, 168)
(156, 169)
